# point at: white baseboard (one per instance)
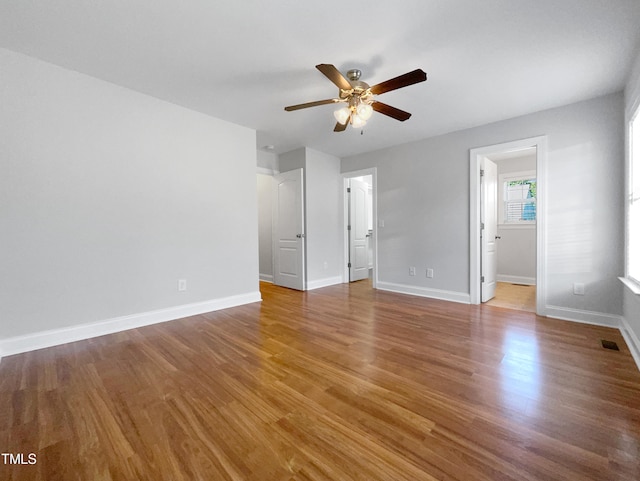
(585, 317)
(54, 337)
(266, 278)
(631, 339)
(326, 282)
(528, 281)
(460, 297)
(43, 339)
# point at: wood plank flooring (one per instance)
(514, 296)
(341, 383)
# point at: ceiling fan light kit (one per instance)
(359, 96)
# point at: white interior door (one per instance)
(358, 230)
(288, 230)
(489, 229)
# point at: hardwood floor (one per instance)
(341, 383)
(514, 296)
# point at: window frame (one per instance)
(632, 280)
(510, 177)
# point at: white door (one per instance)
(489, 229)
(358, 230)
(288, 230)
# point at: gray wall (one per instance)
(108, 197)
(323, 216)
(423, 199)
(268, 165)
(265, 237)
(323, 210)
(267, 161)
(292, 160)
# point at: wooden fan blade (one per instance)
(405, 80)
(393, 112)
(334, 75)
(340, 127)
(311, 104)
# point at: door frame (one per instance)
(373, 172)
(475, 158)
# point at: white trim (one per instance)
(584, 317)
(632, 99)
(528, 226)
(452, 296)
(54, 337)
(373, 172)
(266, 278)
(475, 158)
(265, 171)
(631, 285)
(633, 343)
(326, 282)
(529, 281)
(630, 195)
(632, 89)
(520, 175)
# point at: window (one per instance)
(633, 202)
(518, 198)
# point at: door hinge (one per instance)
(482, 279)
(348, 227)
(481, 172)
(348, 189)
(481, 225)
(349, 265)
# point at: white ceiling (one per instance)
(243, 61)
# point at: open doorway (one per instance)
(507, 225)
(515, 233)
(360, 229)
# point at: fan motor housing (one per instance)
(354, 79)
(354, 74)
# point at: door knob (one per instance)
(299, 236)
(498, 237)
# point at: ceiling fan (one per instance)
(358, 97)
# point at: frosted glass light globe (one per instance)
(342, 115)
(364, 111)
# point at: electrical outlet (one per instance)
(578, 289)
(412, 271)
(429, 273)
(182, 285)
